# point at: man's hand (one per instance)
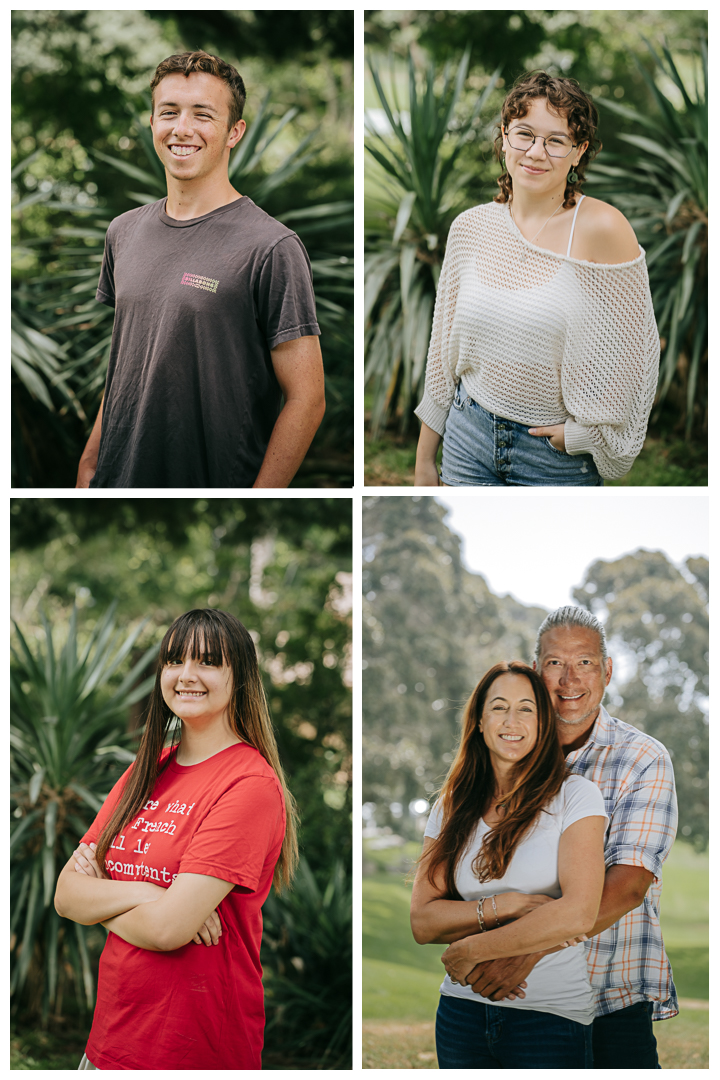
(86, 471)
(298, 368)
(555, 433)
(88, 461)
(503, 978)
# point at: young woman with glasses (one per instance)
(543, 359)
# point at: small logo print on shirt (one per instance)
(199, 282)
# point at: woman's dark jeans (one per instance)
(624, 1039)
(473, 1035)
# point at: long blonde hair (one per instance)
(220, 637)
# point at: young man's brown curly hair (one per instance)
(189, 62)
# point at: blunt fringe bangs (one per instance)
(188, 63)
(470, 784)
(217, 637)
(566, 98)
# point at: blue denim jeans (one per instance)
(624, 1039)
(473, 1035)
(484, 450)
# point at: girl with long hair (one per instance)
(181, 857)
(512, 863)
(543, 359)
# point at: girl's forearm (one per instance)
(141, 926)
(90, 900)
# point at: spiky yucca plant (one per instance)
(662, 188)
(68, 746)
(407, 228)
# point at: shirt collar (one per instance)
(602, 733)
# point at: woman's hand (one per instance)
(210, 932)
(86, 861)
(459, 960)
(555, 433)
(426, 474)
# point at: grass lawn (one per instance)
(401, 979)
(663, 462)
(410, 1044)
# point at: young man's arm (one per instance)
(88, 461)
(299, 370)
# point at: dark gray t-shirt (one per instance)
(191, 397)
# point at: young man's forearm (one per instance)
(91, 900)
(290, 441)
(88, 461)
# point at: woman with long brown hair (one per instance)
(183, 854)
(512, 863)
(543, 359)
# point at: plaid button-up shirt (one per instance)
(627, 962)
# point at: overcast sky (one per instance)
(536, 547)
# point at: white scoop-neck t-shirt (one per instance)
(559, 982)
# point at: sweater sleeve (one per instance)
(440, 378)
(610, 367)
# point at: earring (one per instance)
(572, 176)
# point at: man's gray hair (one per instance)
(572, 616)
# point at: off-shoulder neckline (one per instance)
(504, 207)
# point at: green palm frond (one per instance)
(416, 152)
(68, 745)
(662, 188)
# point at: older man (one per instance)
(629, 970)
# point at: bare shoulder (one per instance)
(604, 234)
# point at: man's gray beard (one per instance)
(580, 720)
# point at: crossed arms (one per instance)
(497, 962)
(141, 913)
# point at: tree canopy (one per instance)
(431, 628)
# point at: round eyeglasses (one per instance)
(558, 146)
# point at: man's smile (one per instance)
(182, 151)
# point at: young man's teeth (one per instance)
(183, 151)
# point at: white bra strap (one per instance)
(572, 230)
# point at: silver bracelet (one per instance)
(481, 920)
(497, 921)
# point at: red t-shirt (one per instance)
(197, 1007)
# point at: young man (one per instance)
(214, 313)
(629, 970)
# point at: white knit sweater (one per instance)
(541, 338)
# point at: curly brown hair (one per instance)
(565, 97)
(186, 63)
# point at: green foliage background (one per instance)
(79, 107)
(423, 656)
(283, 567)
